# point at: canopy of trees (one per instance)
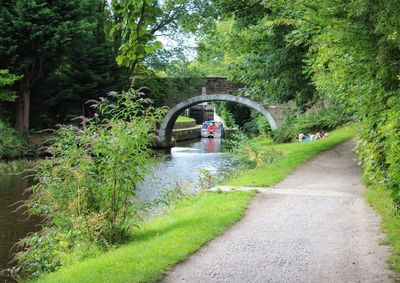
(345, 54)
(67, 52)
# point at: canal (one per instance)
(179, 167)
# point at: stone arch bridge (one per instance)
(216, 89)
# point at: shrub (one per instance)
(308, 123)
(257, 125)
(378, 143)
(249, 152)
(12, 144)
(86, 190)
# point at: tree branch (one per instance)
(167, 20)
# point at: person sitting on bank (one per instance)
(303, 138)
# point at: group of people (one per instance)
(312, 137)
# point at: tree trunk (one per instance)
(23, 105)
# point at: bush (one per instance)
(249, 152)
(86, 190)
(378, 144)
(12, 144)
(292, 126)
(257, 125)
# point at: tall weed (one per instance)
(86, 190)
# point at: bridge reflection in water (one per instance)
(181, 167)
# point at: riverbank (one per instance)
(162, 242)
(169, 239)
(290, 157)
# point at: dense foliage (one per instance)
(86, 191)
(13, 144)
(33, 37)
(345, 53)
(169, 90)
(67, 51)
(309, 123)
(7, 80)
(354, 60)
(250, 153)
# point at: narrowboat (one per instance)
(212, 129)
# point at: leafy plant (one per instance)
(86, 190)
(250, 152)
(206, 180)
(13, 144)
(6, 81)
(293, 125)
(17, 166)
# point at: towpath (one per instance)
(312, 227)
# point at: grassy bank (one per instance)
(17, 166)
(162, 242)
(293, 154)
(381, 200)
(169, 239)
(184, 119)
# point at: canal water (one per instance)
(182, 168)
(14, 225)
(179, 167)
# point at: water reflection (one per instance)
(13, 225)
(203, 145)
(183, 166)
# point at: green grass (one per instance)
(184, 119)
(163, 241)
(381, 200)
(17, 166)
(293, 154)
(169, 239)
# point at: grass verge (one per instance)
(380, 199)
(184, 119)
(169, 239)
(293, 154)
(163, 241)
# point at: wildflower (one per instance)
(111, 93)
(102, 99)
(94, 106)
(96, 115)
(83, 118)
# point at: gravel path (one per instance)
(315, 227)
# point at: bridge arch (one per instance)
(165, 129)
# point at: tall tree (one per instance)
(34, 35)
(255, 49)
(138, 23)
(86, 71)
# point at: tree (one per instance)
(86, 71)
(34, 37)
(137, 25)
(7, 80)
(354, 62)
(251, 47)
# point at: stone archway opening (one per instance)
(165, 129)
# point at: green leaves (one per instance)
(87, 189)
(137, 29)
(7, 80)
